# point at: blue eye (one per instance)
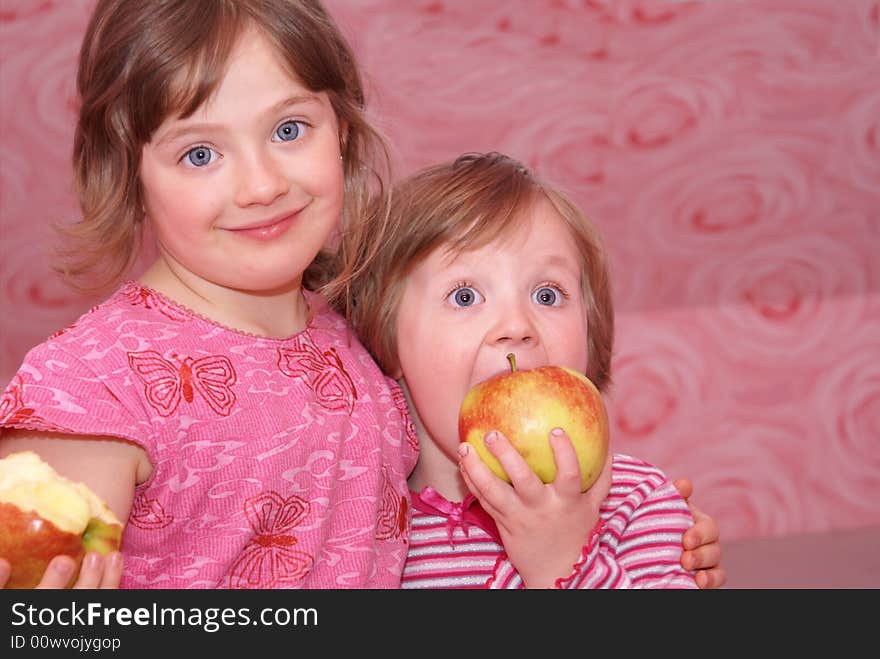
(548, 296)
(288, 131)
(464, 296)
(200, 156)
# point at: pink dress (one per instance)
(278, 463)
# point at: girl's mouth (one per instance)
(269, 229)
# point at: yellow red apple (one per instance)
(43, 514)
(525, 405)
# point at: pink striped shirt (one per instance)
(636, 544)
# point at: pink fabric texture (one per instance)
(278, 463)
(636, 544)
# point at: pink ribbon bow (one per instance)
(465, 514)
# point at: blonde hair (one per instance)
(462, 204)
(144, 61)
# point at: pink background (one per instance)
(729, 150)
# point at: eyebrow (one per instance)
(283, 104)
(549, 260)
(556, 260)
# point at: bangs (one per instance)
(499, 220)
(201, 63)
(474, 206)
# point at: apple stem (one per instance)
(512, 359)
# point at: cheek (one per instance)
(171, 204)
(428, 347)
(419, 358)
(183, 221)
(567, 343)
(326, 176)
(432, 371)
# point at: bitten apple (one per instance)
(525, 406)
(43, 514)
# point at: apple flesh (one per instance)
(525, 406)
(43, 515)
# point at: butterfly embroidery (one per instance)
(14, 413)
(144, 297)
(269, 560)
(12, 409)
(149, 514)
(165, 383)
(394, 512)
(409, 427)
(323, 372)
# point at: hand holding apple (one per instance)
(43, 514)
(525, 406)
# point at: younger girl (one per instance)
(215, 403)
(480, 259)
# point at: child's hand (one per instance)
(97, 571)
(543, 527)
(702, 548)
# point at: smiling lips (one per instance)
(269, 229)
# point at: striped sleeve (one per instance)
(589, 570)
(640, 546)
(650, 546)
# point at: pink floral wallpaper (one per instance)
(728, 149)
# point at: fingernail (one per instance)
(463, 449)
(491, 437)
(557, 432)
(115, 559)
(62, 568)
(94, 560)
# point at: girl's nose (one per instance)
(261, 181)
(514, 326)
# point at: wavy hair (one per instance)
(462, 204)
(142, 62)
